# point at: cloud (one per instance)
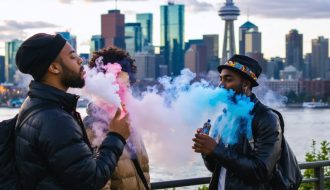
(196, 5)
(11, 35)
(94, 1)
(286, 9)
(11, 29)
(85, 43)
(14, 25)
(191, 5)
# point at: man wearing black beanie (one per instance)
(52, 149)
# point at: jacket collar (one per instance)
(42, 91)
(256, 102)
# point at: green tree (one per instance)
(204, 187)
(313, 155)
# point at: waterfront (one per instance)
(302, 125)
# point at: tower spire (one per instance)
(229, 12)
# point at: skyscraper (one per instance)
(294, 49)
(73, 42)
(252, 41)
(97, 43)
(212, 43)
(72, 39)
(133, 38)
(10, 63)
(146, 66)
(320, 56)
(2, 69)
(113, 28)
(212, 54)
(228, 13)
(172, 36)
(242, 31)
(195, 58)
(191, 42)
(274, 66)
(307, 66)
(146, 21)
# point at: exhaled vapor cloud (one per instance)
(286, 9)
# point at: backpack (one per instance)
(287, 175)
(9, 177)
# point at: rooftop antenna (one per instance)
(115, 4)
(248, 14)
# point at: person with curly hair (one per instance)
(132, 171)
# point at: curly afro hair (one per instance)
(112, 55)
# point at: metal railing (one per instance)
(318, 178)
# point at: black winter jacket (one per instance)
(249, 165)
(52, 149)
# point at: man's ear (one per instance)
(247, 84)
(55, 68)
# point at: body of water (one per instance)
(301, 127)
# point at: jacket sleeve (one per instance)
(210, 162)
(70, 159)
(259, 165)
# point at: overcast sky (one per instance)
(22, 18)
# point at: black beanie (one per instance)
(36, 53)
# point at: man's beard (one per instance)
(240, 90)
(72, 79)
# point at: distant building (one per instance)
(172, 36)
(307, 70)
(193, 42)
(72, 39)
(294, 49)
(317, 89)
(252, 41)
(113, 29)
(195, 58)
(146, 21)
(163, 70)
(283, 86)
(146, 66)
(10, 62)
(242, 31)
(2, 69)
(290, 73)
(97, 43)
(273, 68)
(133, 38)
(320, 57)
(73, 42)
(212, 55)
(260, 58)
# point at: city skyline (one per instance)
(83, 19)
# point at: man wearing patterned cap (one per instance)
(52, 149)
(246, 165)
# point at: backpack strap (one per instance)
(280, 118)
(25, 115)
(140, 172)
